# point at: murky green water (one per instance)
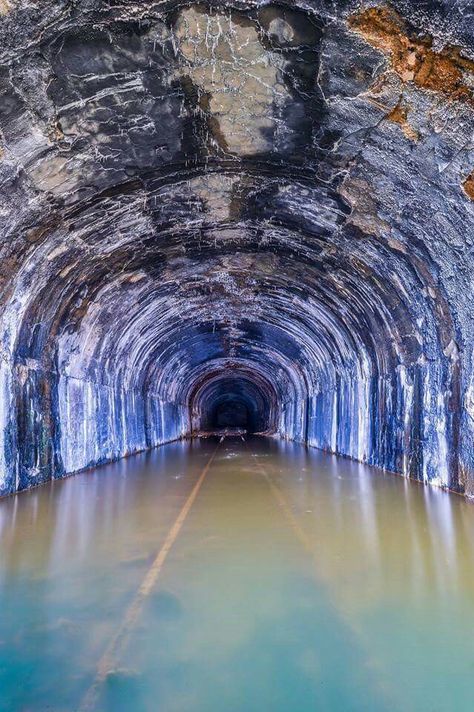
(296, 582)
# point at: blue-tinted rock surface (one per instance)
(268, 200)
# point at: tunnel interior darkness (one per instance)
(234, 401)
(232, 412)
(238, 214)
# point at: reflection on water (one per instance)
(375, 613)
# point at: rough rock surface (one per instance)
(271, 202)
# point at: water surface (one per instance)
(297, 581)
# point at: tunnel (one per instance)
(236, 355)
(252, 214)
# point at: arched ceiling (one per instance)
(282, 188)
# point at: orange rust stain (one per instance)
(412, 56)
(398, 115)
(468, 186)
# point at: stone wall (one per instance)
(277, 193)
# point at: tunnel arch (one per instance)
(172, 250)
(233, 397)
(314, 343)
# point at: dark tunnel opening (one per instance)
(232, 412)
(223, 401)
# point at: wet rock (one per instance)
(266, 206)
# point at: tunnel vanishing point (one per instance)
(253, 213)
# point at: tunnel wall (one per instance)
(398, 424)
(62, 425)
(99, 424)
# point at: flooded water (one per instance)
(275, 578)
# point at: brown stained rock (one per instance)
(237, 79)
(36, 234)
(412, 56)
(364, 206)
(216, 193)
(5, 7)
(55, 132)
(398, 115)
(468, 186)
